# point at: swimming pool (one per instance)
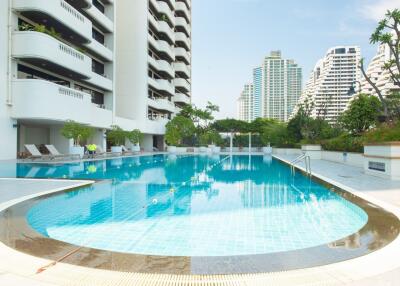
(198, 206)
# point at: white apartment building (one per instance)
(246, 103)
(280, 87)
(331, 80)
(59, 62)
(153, 64)
(380, 76)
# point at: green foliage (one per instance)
(361, 115)
(135, 136)
(384, 133)
(275, 134)
(117, 135)
(315, 130)
(76, 131)
(210, 137)
(200, 117)
(179, 128)
(230, 126)
(393, 102)
(345, 143)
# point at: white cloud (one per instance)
(376, 10)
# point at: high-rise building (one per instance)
(62, 60)
(380, 76)
(277, 87)
(331, 80)
(246, 103)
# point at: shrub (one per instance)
(383, 133)
(76, 131)
(210, 137)
(135, 136)
(345, 143)
(116, 135)
(177, 129)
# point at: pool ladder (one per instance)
(307, 162)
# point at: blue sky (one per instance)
(230, 37)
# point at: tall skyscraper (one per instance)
(331, 80)
(277, 85)
(246, 103)
(64, 60)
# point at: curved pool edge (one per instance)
(380, 261)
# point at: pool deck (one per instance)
(378, 268)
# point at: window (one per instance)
(97, 67)
(98, 5)
(25, 72)
(99, 37)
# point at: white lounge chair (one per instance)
(35, 153)
(55, 154)
(126, 151)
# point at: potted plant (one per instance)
(78, 132)
(116, 136)
(134, 137)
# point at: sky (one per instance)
(231, 37)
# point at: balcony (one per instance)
(64, 18)
(161, 104)
(182, 40)
(182, 55)
(43, 100)
(162, 86)
(100, 81)
(101, 19)
(182, 11)
(182, 84)
(181, 98)
(47, 52)
(166, 33)
(180, 23)
(182, 70)
(162, 8)
(163, 67)
(162, 47)
(100, 50)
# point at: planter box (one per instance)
(136, 148)
(216, 149)
(203, 149)
(181, 149)
(171, 149)
(267, 150)
(383, 160)
(116, 149)
(313, 151)
(77, 150)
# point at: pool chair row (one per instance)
(53, 154)
(99, 153)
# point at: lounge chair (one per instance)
(100, 152)
(55, 154)
(126, 151)
(35, 153)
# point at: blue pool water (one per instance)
(192, 206)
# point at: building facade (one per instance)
(246, 103)
(330, 82)
(59, 62)
(380, 76)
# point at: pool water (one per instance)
(192, 205)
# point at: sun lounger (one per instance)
(126, 151)
(57, 155)
(35, 153)
(102, 153)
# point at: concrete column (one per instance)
(61, 143)
(383, 160)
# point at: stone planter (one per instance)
(313, 151)
(203, 149)
(267, 150)
(171, 149)
(116, 149)
(383, 160)
(77, 150)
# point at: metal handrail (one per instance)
(307, 161)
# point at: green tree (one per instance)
(275, 134)
(361, 115)
(117, 135)
(134, 136)
(76, 131)
(387, 33)
(179, 128)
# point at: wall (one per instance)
(8, 133)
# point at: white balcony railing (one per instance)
(45, 48)
(101, 50)
(44, 100)
(181, 98)
(162, 47)
(100, 81)
(161, 66)
(164, 9)
(180, 6)
(59, 10)
(162, 27)
(181, 37)
(162, 85)
(161, 104)
(100, 18)
(182, 53)
(182, 68)
(182, 84)
(181, 22)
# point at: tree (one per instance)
(361, 115)
(387, 33)
(117, 135)
(274, 134)
(76, 131)
(179, 128)
(135, 136)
